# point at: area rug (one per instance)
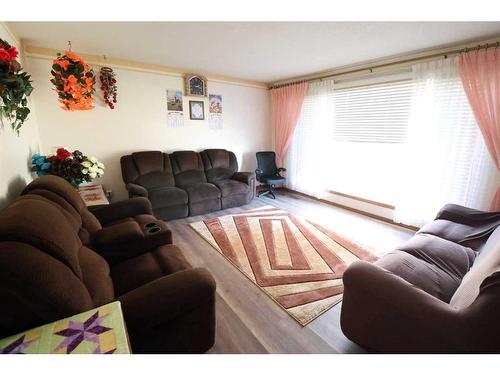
(297, 263)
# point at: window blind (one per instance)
(377, 113)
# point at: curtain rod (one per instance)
(370, 69)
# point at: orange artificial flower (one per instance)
(72, 81)
(63, 64)
(73, 56)
(79, 87)
(89, 81)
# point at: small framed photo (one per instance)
(196, 110)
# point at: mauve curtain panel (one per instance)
(480, 75)
(286, 106)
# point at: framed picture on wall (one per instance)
(196, 110)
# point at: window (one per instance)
(376, 113)
(408, 140)
(368, 131)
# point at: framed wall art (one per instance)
(196, 110)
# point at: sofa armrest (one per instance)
(123, 209)
(167, 298)
(383, 312)
(119, 249)
(135, 190)
(245, 177)
(466, 215)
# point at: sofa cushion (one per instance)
(469, 234)
(232, 187)
(486, 264)
(219, 164)
(148, 161)
(147, 267)
(432, 264)
(169, 196)
(155, 180)
(36, 221)
(60, 187)
(96, 277)
(143, 163)
(202, 191)
(61, 192)
(187, 168)
(36, 288)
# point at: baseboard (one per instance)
(361, 212)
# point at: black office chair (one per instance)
(268, 173)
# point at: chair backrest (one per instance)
(219, 164)
(64, 194)
(46, 273)
(151, 169)
(187, 167)
(266, 162)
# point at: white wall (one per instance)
(139, 121)
(16, 151)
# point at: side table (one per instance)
(98, 331)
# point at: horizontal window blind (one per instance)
(377, 113)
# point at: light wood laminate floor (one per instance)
(248, 321)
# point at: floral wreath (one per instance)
(15, 87)
(73, 81)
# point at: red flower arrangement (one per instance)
(15, 87)
(74, 167)
(7, 52)
(108, 86)
(61, 155)
(73, 81)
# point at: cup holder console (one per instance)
(152, 227)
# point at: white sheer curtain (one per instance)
(307, 162)
(445, 159)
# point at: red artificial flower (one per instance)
(8, 54)
(4, 55)
(12, 51)
(62, 154)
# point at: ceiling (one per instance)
(258, 51)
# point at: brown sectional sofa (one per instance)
(58, 259)
(187, 183)
(438, 293)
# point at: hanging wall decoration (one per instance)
(215, 112)
(73, 81)
(175, 114)
(15, 87)
(108, 86)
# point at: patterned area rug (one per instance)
(297, 263)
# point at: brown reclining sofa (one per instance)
(187, 183)
(438, 293)
(58, 259)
